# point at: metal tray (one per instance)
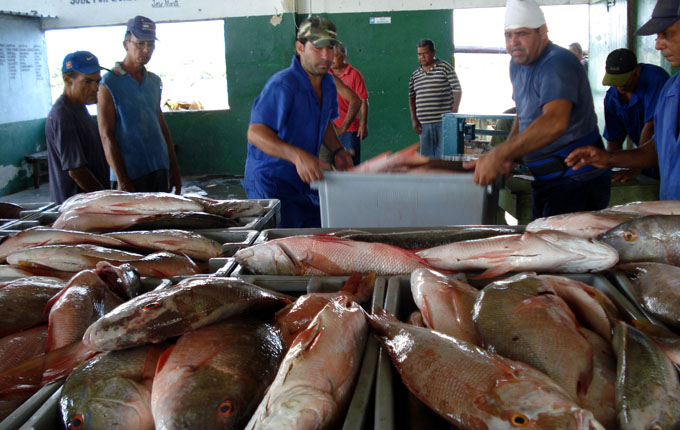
(399, 301)
(46, 414)
(24, 412)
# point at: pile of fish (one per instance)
(529, 351)
(212, 352)
(61, 253)
(112, 210)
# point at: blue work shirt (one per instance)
(666, 139)
(556, 74)
(289, 105)
(628, 119)
(138, 131)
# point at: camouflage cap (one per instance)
(318, 31)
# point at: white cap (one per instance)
(523, 14)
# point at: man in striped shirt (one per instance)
(433, 90)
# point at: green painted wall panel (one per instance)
(19, 139)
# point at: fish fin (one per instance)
(164, 358)
(54, 299)
(320, 263)
(494, 271)
(351, 285)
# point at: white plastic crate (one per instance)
(404, 200)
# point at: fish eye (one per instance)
(149, 306)
(519, 420)
(226, 408)
(629, 236)
(76, 423)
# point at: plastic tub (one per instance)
(404, 200)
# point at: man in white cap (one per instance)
(662, 149)
(554, 115)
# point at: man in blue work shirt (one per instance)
(662, 149)
(630, 103)
(290, 120)
(555, 114)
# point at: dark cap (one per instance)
(318, 31)
(142, 28)
(83, 62)
(665, 13)
(620, 65)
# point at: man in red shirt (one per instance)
(357, 130)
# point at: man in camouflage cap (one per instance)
(290, 120)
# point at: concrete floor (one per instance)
(214, 186)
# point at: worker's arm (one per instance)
(641, 157)
(363, 121)
(417, 127)
(175, 175)
(647, 132)
(106, 120)
(354, 104)
(342, 159)
(457, 97)
(614, 145)
(266, 140)
(85, 179)
(551, 124)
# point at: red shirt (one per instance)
(353, 79)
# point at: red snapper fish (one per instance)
(320, 255)
(545, 251)
(407, 157)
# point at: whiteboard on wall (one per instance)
(24, 78)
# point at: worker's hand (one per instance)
(341, 130)
(587, 155)
(309, 167)
(176, 183)
(417, 127)
(343, 160)
(362, 132)
(488, 167)
(126, 185)
(626, 175)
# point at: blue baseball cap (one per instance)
(142, 28)
(83, 62)
(665, 13)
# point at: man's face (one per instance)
(525, 45)
(425, 56)
(82, 89)
(668, 42)
(139, 51)
(632, 83)
(338, 59)
(315, 61)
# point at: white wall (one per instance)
(87, 13)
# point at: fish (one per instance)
(9, 273)
(160, 264)
(507, 314)
(588, 224)
(215, 377)
(545, 251)
(658, 207)
(600, 398)
(298, 315)
(98, 222)
(190, 304)
(421, 239)
(10, 210)
(176, 241)
(22, 345)
(446, 304)
(69, 258)
(316, 378)
(592, 307)
(23, 303)
(106, 201)
(184, 221)
(653, 238)
(84, 300)
(41, 236)
(111, 391)
(656, 287)
(473, 388)
(667, 340)
(123, 280)
(232, 208)
(647, 383)
(408, 156)
(326, 255)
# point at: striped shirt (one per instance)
(433, 91)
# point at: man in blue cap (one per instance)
(290, 120)
(75, 157)
(136, 139)
(662, 149)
